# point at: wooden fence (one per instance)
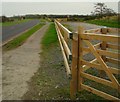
(105, 49)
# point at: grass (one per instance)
(14, 22)
(43, 20)
(50, 36)
(22, 38)
(108, 23)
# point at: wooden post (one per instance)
(80, 45)
(103, 47)
(74, 68)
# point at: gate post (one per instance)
(103, 47)
(80, 54)
(74, 67)
(75, 84)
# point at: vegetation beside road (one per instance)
(50, 36)
(10, 23)
(22, 38)
(108, 23)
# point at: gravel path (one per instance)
(19, 66)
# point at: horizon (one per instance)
(50, 14)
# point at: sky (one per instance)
(29, 7)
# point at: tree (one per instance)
(109, 12)
(102, 10)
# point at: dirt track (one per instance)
(19, 65)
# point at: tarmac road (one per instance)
(11, 31)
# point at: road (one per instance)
(11, 31)
(74, 25)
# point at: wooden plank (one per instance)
(88, 65)
(109, 54)
(65, 29)
(111, 46)
(104, 66)
(111, 60)
(64, 56)
(97, 45)
(67, 32)
(108, 38)
(98, 80)
(67, 50)
(99, 93)
(113, 30)
(114, 70)
(93, 30)
(86, 51)
(103, 52)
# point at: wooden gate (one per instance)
(104, 50)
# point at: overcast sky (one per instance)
(22, 8)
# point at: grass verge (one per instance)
(108, 23)
(50, 36)
(22, 38)
(14, 22)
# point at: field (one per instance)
(106, 21)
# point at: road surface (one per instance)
(74, 25)
(11, 31)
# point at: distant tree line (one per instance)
(5, 19)
(10, 19)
